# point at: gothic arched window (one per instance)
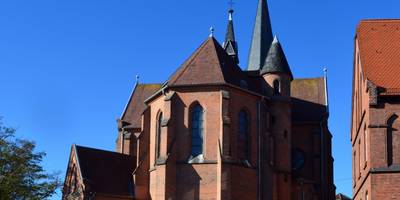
(276, 87)
(197, 125)
(244, 147)
(158, 134)
(392, 137)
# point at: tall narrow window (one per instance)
(197, 130)
(158, 135)
(243, 150)
(276, 87)
(354, 168)
(359, 158)
(365, 144)
(389, 139)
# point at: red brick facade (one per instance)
(374, 133)
(222, 175)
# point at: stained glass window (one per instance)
(197, 130)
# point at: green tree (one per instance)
(21, 173)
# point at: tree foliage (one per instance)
(21, 173)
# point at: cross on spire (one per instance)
(231, 3)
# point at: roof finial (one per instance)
(325, 71)
(230, 15)
(211, 31)
(276, 40)
(231, 3)
(137, 78)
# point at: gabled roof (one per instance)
(262, 37)
(135, 106)
(209, 65)
(379, 44)
(276, 61)
(308, 98)
(106, 172)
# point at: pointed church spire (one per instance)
(276, 61)
(230, 44)
(262, 37)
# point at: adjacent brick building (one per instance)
(375, 136)
(215, 131)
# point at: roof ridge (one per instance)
(129, 100)
(150, 84)
(379, 20)
(217, 47)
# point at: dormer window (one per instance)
(276, 87)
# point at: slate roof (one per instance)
(379, 44)
(211, 65)
(230, 33)
(261, 39)
(308, 98)
(230, 44)
(136, 106)
(106, 172)
(276, 61)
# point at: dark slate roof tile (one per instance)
(262, 37)
(276, 61)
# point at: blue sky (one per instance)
(67, 67)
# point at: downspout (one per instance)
(259, 150)
(322, 159)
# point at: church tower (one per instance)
(268, 58)
(276, 73)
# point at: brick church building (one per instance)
(215, 131)
(375, 135)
